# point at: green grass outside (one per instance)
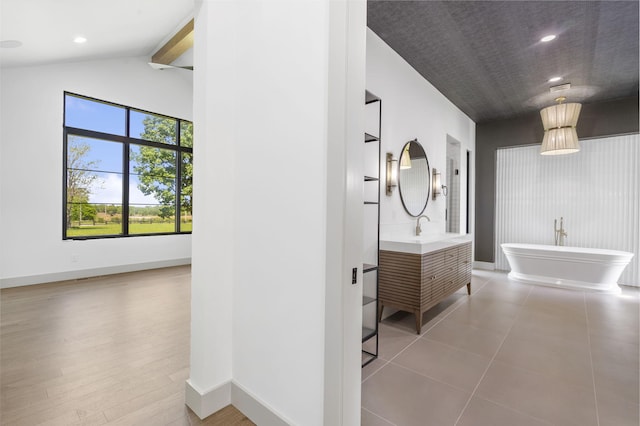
(116, 229)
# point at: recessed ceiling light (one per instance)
(80, 40)
(554, 79)
(10, 44)
(548, 38)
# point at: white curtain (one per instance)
(596, 190)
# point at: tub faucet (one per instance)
(561, 234)
(418, 229)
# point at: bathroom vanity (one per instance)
(417, 273)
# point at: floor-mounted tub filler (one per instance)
(576, 268)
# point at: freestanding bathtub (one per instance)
(577, 268)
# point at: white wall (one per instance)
(413, 108)
(31, 245)
(272, 206)
(596, 190)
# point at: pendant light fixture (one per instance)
(559, 122)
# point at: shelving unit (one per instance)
(371, 233)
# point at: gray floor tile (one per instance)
(407, 399)
(616, 380)
(563, 359)
(543, 324)
(614, 411)
(370, 419)
(372, 367)
(466, 337)
(393, 340)
(486, 314)
(539, 396)
(611, 350)
(486, 413)
(444, 363)
(623, 330)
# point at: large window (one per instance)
(127, 172)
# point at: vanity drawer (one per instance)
(432, 262)
(451, 257)
(451, 284)
(448, 280)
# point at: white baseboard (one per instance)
(256, 410)
(88, 273)
(206, 403)
(629, 285)
(487, 266)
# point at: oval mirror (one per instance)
(414, 178)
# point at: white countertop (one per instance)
(424, 244)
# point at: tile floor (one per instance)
(509, 354)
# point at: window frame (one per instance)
(126, 142)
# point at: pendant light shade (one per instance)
(559, 122)
(560, 141)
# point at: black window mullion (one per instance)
(64, 166)
(64, 184)
(178, 190)
(95, 135)
(178, 177)
(125, 177)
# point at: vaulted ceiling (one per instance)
(487, 57)
(112, 28)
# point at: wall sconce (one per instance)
(437, 188)
(392, 173)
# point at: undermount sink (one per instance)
(423, 243)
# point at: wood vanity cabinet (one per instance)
(416, 282)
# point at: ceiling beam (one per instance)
(179, 43)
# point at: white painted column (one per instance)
(345, 214)
(209, 384)
(279, 92)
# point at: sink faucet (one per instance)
(418, 229)
(561, 234)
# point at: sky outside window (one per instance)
(92, 115)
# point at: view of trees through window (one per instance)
(128, 172)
